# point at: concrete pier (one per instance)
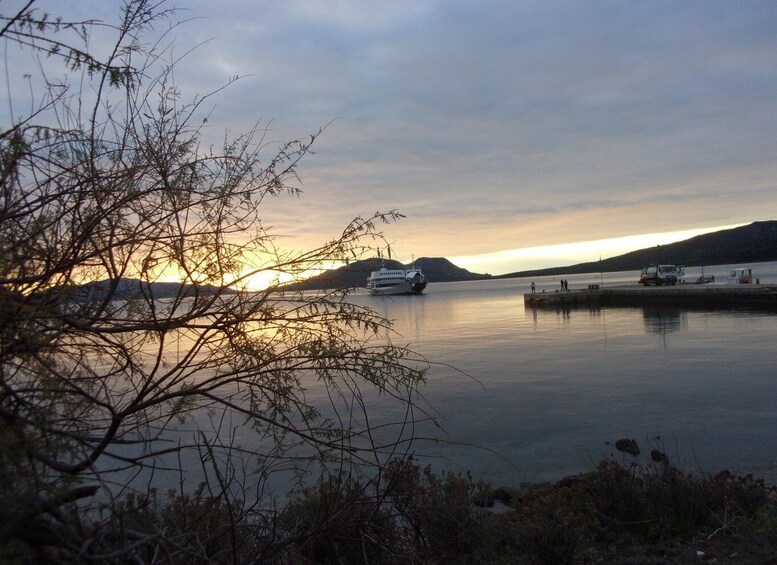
(702, 295)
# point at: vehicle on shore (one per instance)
(741, 275)
(396, 281)
(660, 275)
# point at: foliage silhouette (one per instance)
(105, 177)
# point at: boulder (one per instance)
(569, 481)
(659, 456)
(627, 446)
(508, 494)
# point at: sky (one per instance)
(512, 135)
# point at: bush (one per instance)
(340, 520)
(196, 520)
(405, 514)
(617, 505)
(409, 514)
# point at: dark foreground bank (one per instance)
(621, 512)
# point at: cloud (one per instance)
(501, 125)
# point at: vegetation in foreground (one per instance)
(616, 514)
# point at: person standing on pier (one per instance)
(532, 287)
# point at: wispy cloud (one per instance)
(502, 125)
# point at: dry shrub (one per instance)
(199, 526)
(621, 505)
(340, 520)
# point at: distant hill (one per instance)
(754, 243)
(439, 269)
(129, 288)
(435, 269)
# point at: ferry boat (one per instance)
(396, 281)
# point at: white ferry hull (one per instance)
(402, 288)
(396, 281)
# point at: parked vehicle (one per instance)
(659, 275)
(741, 276)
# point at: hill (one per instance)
(125, 289)
(754, 243)
(435, 269)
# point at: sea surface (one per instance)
(532, 394)
(527, 394)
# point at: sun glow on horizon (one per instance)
(263, 279)
(560, 255)
(495, 263)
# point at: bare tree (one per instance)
(106, 189)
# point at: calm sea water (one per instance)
(528, 394)
(545, 390)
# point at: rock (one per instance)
(508, 494)
(627, 446)
(659, 456)
(569, 481)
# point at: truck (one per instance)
(742, 275)
(660, 274)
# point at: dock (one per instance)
(681, 295)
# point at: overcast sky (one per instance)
(501, 125)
